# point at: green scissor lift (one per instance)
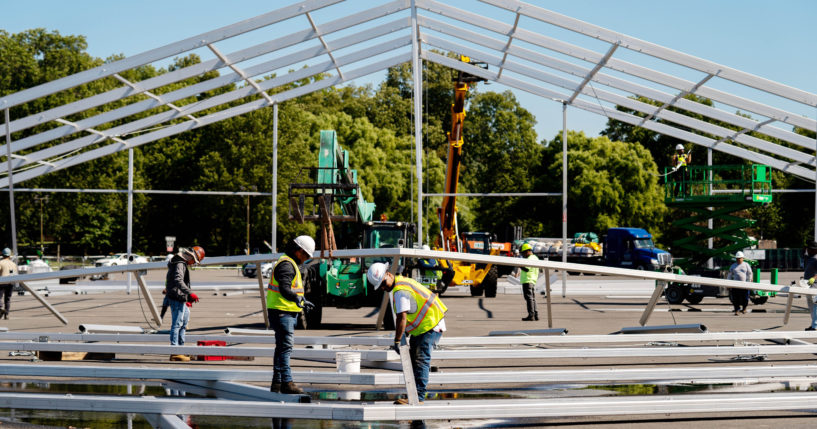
(718, 193)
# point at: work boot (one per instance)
(536, 316)
(292, 388)
(530, 318)
(404, 401)
(275, 387)
(179, 358)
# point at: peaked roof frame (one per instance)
(400, 31)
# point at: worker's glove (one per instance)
(396, 346)
(192, 298)
(306, 305)
(189, 304)
(811, 281)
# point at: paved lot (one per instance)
(603, 313)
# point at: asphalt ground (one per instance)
(592, 306)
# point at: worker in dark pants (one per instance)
(809, 274)
(285, 300)
(528, 277)
(680, 161)
(742, 272)
(7, 268)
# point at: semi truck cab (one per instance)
(634, 248)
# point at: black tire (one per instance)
(759, 300)
(476, 290)
(695, 299)
(489, 283)
(441, 287)
(676, 294)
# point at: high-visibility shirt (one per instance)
(429, 267)
(274, 298)
(680, 160)
(532, 274)
(430, 309)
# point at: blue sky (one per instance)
(774, 40)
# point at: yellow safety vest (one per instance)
(680, 160)
(532, 274)
(274, 298)
(430, 309)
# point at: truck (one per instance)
(619, 247)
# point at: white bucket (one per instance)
(347, 361)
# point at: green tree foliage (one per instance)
(611, 184)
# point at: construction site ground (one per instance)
(580, 312)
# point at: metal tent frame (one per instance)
(511, 39)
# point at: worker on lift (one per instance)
(680, 160)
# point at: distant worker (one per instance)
(742, 272)
(7, 268)
(809, 273)
(285, 300)
(432, 268)
(680, 161)
(180, 296)
(528, 277)
(419, 313)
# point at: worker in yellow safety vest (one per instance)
(418, 312)
(285, 300)
(680, 161)
(528, 277)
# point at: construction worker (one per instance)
(180, 297)
(7, 268)
(285, 300)
(809, 274)
(740, 271)
(680, 161)
(432, 268)
(528, 277)
(419, 313)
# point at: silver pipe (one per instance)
(130, 214)
(274, 177)
(11, 186)
(564, 196)
(418, 116)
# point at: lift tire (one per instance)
(759, 300)
(675, 294)
(489, 283)
(695, 299)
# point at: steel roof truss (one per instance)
(215, 101)
(681, 95)
(624, 101)
(593, 72)
(627, 118)
(241, 73)
(208, 119)
(166, 51)
(584, 54)
(145, 92)
(624, 85)
(656, 51)
(325, 45)
(508, 45)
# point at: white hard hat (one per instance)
(679, 146)
(376, 273)
(738, 255)
(425, 247)
(306, 243)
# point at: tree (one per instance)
(611, 184)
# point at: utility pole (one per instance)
(41, 199)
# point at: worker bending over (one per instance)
(285, 300)
(528, 277)
(418, 312)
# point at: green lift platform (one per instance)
(718, 193)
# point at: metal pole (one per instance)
(710, 223)
(248, 225)
(815, 183)
(274, 240)
(130, 213)
(418, 115)
(564, 196)
(11, 186)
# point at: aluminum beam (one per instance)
(537, 38)
(167, 51)
(651, 49)
(431, 410)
